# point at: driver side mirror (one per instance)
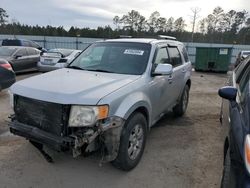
(228, 92)
(163, 69)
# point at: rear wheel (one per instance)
(181, 107)
(132, 143)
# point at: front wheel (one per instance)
(132, 143)
(226, 171)
(181, 107)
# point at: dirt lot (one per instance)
(183, 152)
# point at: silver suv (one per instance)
(106, 100)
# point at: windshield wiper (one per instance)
(97, 70)
(75, 67)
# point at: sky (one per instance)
(94, 13)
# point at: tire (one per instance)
(181, 107)
(225, 181)
(132, 143)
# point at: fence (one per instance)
(81, 43)
(50, 42)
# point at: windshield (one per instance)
(64, 52)
(121, 58)
(5, 51)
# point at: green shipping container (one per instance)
(212, 59)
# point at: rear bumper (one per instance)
(35, 134)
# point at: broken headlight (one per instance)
(81, 116)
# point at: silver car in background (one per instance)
(56, 59)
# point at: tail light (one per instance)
(7, 66)
(247, 153)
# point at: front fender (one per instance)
(133, 102)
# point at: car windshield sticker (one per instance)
(133, 52)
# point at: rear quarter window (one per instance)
(184, 53)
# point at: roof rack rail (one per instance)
(124, 36)
(166, 37)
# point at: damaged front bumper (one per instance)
(106, 134)
(33, 133)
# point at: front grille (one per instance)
(47, 116)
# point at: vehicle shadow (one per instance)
(171, 120)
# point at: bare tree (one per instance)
(195, 16)
(116, 21)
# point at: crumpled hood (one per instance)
(70, 86)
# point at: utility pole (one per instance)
(194, 17)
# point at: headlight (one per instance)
(81, 116)
(247, 153)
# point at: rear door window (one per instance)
(175, 56)
(21, 52)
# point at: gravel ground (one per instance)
(180, 152)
